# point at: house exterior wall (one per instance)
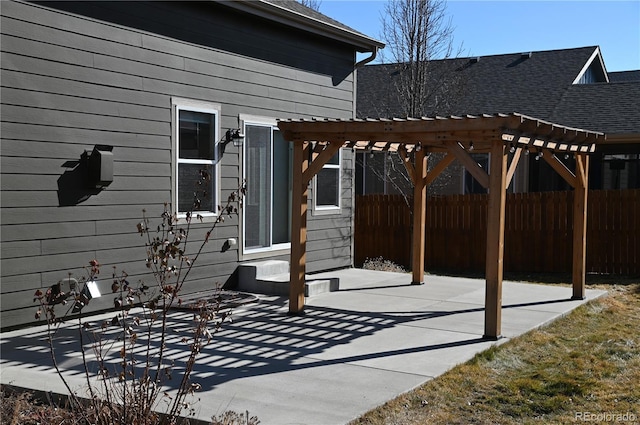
(79, 74)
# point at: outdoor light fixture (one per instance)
(566, 156)
(526, 151)
(470, 146)
(234, 135)
(512, 149)
(89, 291)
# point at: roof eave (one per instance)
(293, 19)
(615, 138)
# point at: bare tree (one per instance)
(424, 79)
(416, 33)
(312, 4)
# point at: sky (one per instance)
(515, 26)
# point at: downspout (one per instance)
(363, 62)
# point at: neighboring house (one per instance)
(612, 108)
(152, 89)
(570, 87)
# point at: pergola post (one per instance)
(298, 228)
(495, 240)
(580, 226)
(419, 216)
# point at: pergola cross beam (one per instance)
(514, 164)
(561, 169)
(470, 164)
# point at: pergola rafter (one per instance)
(316, 141)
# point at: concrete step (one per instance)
(260, 269)
(271, 277)
(320, 286)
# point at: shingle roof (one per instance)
(620, 76)
(528, 84)
(301, 9)
(611, 108)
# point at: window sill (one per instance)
(205, 218)
(267, 253)
(326, 211)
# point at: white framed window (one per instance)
(267, 170)
(327, 187)
(195, 173)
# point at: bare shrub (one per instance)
(127, 368)
(380, 264)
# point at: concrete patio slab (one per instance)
(353, 350)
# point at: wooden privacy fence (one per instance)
(538, 231)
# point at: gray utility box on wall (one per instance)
(100, 166)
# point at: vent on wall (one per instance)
(99, 164)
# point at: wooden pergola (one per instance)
(317, 141)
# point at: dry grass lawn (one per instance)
(587, 363)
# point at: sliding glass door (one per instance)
(267, 206)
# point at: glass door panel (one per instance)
(258, 175)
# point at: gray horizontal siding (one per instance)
(36, 182)
(72, 103)
(54, 134)
(20, 148)
(71, 81)
(54, 214)
(72, 119)
(124, 65)
(330, 236)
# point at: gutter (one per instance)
(365, 61)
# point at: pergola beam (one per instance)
(431, 174)
(470, 164)
(561, 169)
(514, 164)
(439, 167)
(320, 159)
(411, 171)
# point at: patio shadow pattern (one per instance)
(351, 351)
